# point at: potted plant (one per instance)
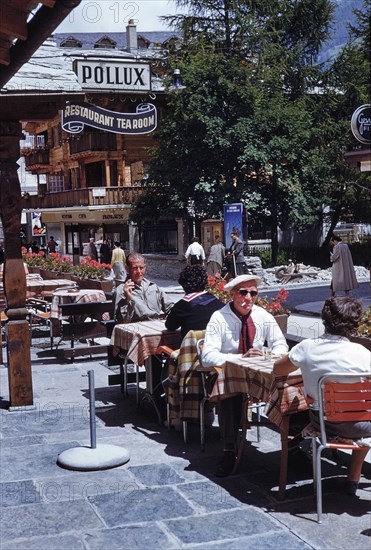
(276, 308)
(363, 335)
(34, 260)
(93, 274)
(55, 265)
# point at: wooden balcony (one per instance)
(38, 158)
(92, 142)
(93, 196)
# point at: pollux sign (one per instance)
(110, 75)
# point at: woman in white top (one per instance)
(333, 352)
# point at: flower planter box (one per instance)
(363, 340)
(282, 322)
(48, 274)
(33, 268)
(106, 285)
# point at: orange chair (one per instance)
(342, 398)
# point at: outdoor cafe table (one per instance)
(253, 376)
(139, 341)
(70, 296)
(36, 286)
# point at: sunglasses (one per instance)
(245, 292)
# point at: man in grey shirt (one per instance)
(216, 257)
(138, 299)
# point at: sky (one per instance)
(113, 15)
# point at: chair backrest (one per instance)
(344, 398)
(199, 346)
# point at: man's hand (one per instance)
(128, 289)
(253, 352)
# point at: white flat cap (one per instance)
(242, 279)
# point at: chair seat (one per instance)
(310, 431)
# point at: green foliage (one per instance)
(258, 122)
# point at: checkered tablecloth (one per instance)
(82, 296)
(254, 376)
(140, 340)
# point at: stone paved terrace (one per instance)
(166, 496)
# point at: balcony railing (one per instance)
(38, 157)
(93, 196)
(93, 142)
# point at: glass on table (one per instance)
(267, 352)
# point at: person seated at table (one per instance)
(138, 299)
(193, 311)
(239, 329)
(333, 353)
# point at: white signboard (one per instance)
(113, 75)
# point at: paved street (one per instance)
(166, 496)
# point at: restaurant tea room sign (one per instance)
(76, 115)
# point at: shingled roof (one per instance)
(88, 40)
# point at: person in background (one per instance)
(193, 311)
(195, 253)
(52, 245)
(235, 255)
(91, 250)
(239, 329)
(216, 257)
(343, 274)
(105, 252)
(333, 353)
(34, 247)
(118, 264)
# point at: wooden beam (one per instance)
(13, 22)
(18, 330)
(4, 51)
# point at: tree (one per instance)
(247, 127)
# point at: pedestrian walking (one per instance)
(118, 261)
(235, 255)
(216, 257)
(343, 274)
(52, 245)
(195, 253)
(91, 251)
(105, 252)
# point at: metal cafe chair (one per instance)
(342, 398)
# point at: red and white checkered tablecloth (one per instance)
(140, 340)
(254, 376)
(72, 296)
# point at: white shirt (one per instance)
(195, 249)
(329, 354)
(223, 331)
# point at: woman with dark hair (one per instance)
(333, 353)
(193, 311)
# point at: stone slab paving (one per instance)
(166, 496)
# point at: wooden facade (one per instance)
(21, 33)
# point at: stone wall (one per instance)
(164, 267)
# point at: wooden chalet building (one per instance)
(88, 181)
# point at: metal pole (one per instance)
(93, 434)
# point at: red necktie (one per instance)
(247, 335)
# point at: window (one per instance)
(160, 238)
(55, 183)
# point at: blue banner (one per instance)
(232, 221)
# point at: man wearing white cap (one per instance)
(239, 329)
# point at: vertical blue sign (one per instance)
(232, 221)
